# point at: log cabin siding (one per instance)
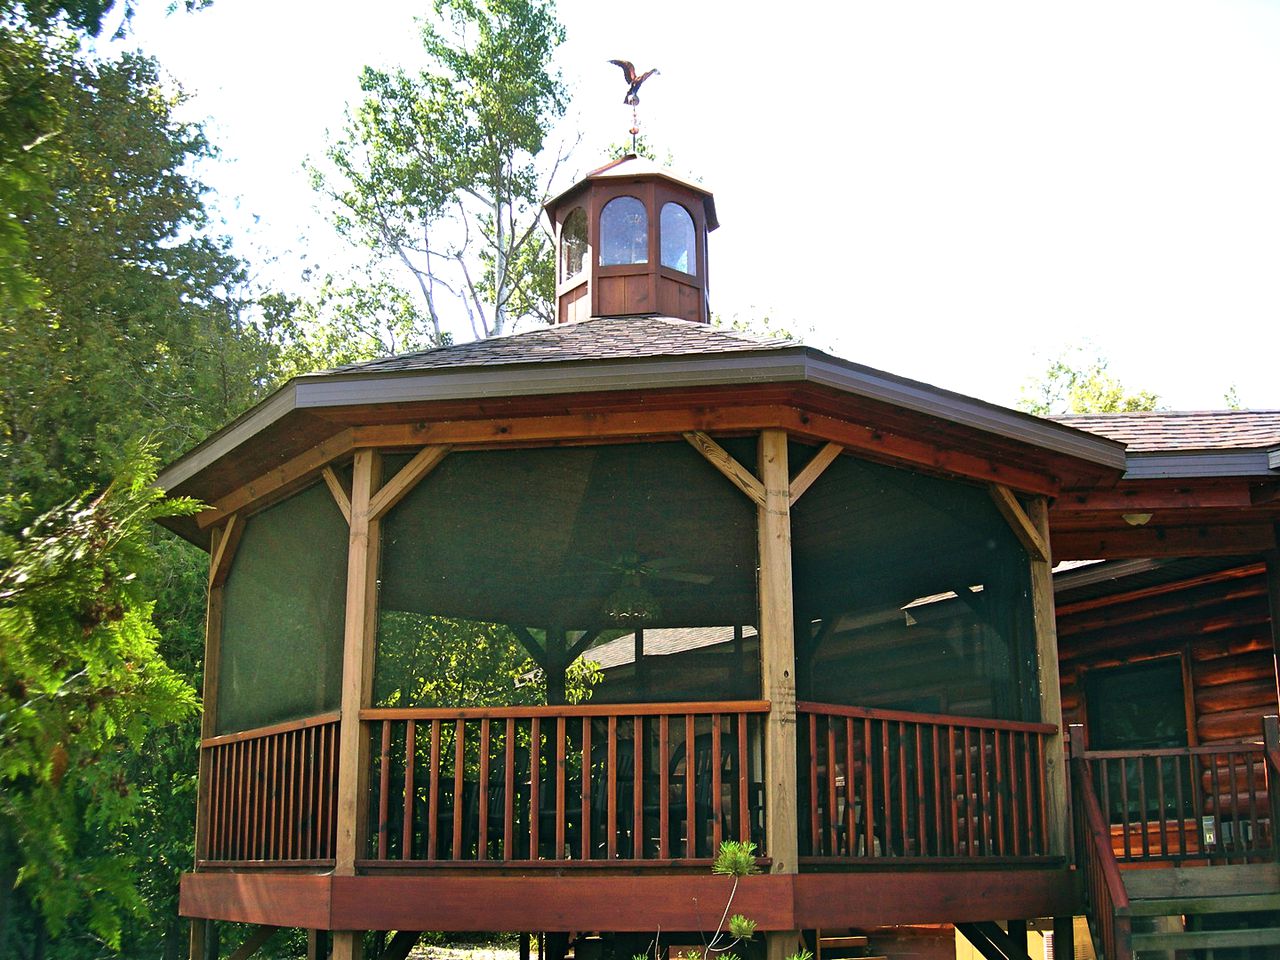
(1221, 629)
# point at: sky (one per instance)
(954, 192)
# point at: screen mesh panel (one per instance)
(282, 615)
(499, 552)
(911, 593)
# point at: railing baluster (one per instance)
(716, 788)
(433, 793)
(585, 827)
(886, 776)
(922, 815)
(1041, 844)
(384, 789)
(1215, 788)
(850, 791)
(509, 791)
(611, 798)
(984, 797)
(1181, 807)
(815, 827)
(744, 783)
(969, 799)
(664, 787)
(410, 791)
(1143, 823)
(1164, 819)
(1012, 742)
(459, 769)
(868, 780)
(1237, 834)
(637, 787)
(1000, 787)
(1255, 825)
(560, 788)
(535, 785)
(833, 821)
(482, 798)
(904, 801)
(1042, 781)
(690, 788)
(934, 731)
(953, 798)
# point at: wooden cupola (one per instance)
(631, 240)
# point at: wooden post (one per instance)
(1064, 938)
(777, 671)
(1049, 683)
(357, 680)
(554, 672)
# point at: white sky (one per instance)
(949, 191)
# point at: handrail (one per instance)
(1144, 753)
(286, 726)
(566, 710)
(874, 713)
(1104, 887)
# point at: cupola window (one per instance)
(679, 243)
(624, 232)
(573, 243)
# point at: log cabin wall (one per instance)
(1212, 616)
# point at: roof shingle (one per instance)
(1170, 430)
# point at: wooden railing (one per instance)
(270, 794)
(1095, 858)
(875, 784)
(594, 784)
(1209, 803)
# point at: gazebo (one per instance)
(512, 635)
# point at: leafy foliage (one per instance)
(81, 679)
(1078, 383)
(437, 170)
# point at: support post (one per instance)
(1064, 938)
(1273, 597)
(1046, 631)
(777, 670)
(357, 679)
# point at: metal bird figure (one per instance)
(633, 90)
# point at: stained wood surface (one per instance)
(1055, 800)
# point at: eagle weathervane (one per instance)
(632, 99)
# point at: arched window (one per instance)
(624, 232)
(573, 243)
(679, 240)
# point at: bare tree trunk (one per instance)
(499, 257)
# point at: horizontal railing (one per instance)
(593, 784)
(1207, 803)
(876, 784)
(270, 793)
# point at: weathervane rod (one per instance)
(632, 98)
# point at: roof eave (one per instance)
(1165, 464)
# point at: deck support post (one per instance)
(1064, 938)
(1273, 598)
(777, 671)
(1049, 682)
(357, 679)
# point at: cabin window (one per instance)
(500, 559)
(679, 239)
(624, 232)
(282, 615)
(1136, 707)
(573, 243)
(914, 592)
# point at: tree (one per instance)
(81, 680)
(1078, 383)
(439, 170)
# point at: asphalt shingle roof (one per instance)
(601, 339)
(1163, 430)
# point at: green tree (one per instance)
(1077, 382)
(81, 681)
(438, 170)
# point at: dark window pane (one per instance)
(573, 243)
(1137, 706)
(624, 232)
(679, 240)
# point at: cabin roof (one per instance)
(1184, 429)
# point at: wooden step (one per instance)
(1176, 906)
(1207, 939)
(841, 943)
(1198, 882)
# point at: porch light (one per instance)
(1136, 519)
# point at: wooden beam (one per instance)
(719, 457)
(531, 646)
(803, 480)
(277, 482)
(339, 494)
(1135, 496)
(224, 550)
(777, 670)
(426, 460)
(253, 943)
(1050, 683)
(357, 679)
(1036, 544)
(1122, 542)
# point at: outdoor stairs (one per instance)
(1205, 913)
(848, 946)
